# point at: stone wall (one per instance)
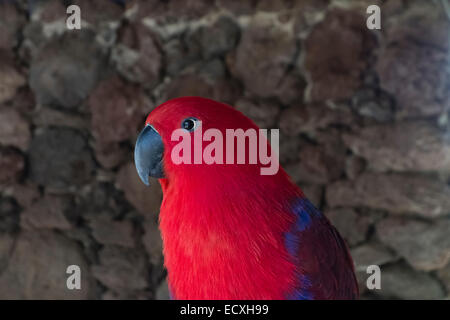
(363, 118)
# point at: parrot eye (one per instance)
(190, 124)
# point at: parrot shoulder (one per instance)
(324, 265)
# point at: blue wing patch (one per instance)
(304, 211)
(303, 293)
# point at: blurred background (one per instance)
(363, 116)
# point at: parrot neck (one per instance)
(220, 239)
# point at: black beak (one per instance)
(148, 154)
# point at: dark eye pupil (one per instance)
(188, 124)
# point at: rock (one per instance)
(12, 165)
(189, 9)
(100, 11)
(199, 43)
(319, 165)
(354, 166)
(6, 246)
(400, 282)
(33, 40)
(306, 13)
(37, 268)
(23, 101)
(9, 216)
(289, 147)
(101, 198)
(10, 23)
(209, 82)
(404, 146)
(366, 255)
(14, 129)
(263, 71)
(352, 226)
(164, 15)
(124, 295)
(277, 6)
(314, 193)
(64, 71)
(238, 7)
(444, 275)
(110, 232)
(168, 12)
(60, 158)
(336, 51)
(48, 117)
(110, 155)
(137, 55)
(414, 74)
(290, 89)
(311, 117)
(121, 269)
(396, 193)
(178, 55)
(127, 106)
(104, 175)
(217, 39)
(82, 235)
(25, 194)
(373, 104)
(264, 114)
(153, 242)
(47, 213)
(10, 79)
(47, 12)
(162, 292)
(313, 167)
(426, 246)
(371, 254)
(146, 200)
(187, 46)
(137, 10)
(419, 22)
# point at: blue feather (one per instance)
(305, 211)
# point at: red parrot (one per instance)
(230, 232)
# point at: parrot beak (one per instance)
(148, 154)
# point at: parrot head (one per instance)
(155, 145)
